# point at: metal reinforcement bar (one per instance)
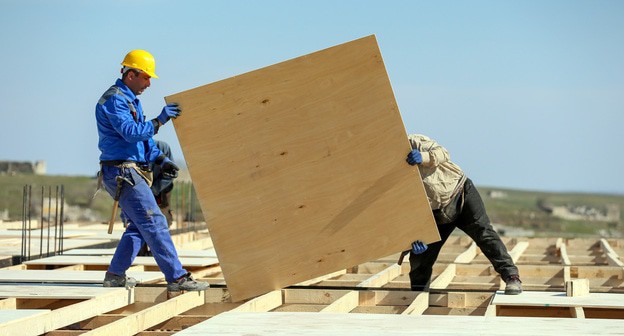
(54, 239)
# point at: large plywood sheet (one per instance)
(300, 168)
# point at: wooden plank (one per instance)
(381, 278)
(389, 298)
(444, 279)
(344, 304)
(563, 251)
(517, 251)
(577, 287)
(37, 246)
(613, 258)
(54, 292)
(467, 299)
(558, 299)
(149, 317)
(18, 316)
(105, 260)
(419, 305)
(276, 158)
(262, 303)
(323, 296)
(468, 255)
(9, 303)
(99, 300)
(322, 278)
(456, 300)
(577, 312)
(76, 277)
(490, 311)
(209, 253)
(303, 323)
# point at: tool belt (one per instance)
(141, 169)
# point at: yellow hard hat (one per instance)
(141, 60)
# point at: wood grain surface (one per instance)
(300, 168)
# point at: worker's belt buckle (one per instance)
(116, 163)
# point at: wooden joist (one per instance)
(458, 292)
(92, 302)
(146, 318)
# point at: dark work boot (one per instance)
(187, 283)
(114, 280)
(513, 285)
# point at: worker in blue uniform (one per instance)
(127, 149)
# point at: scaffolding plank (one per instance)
(300, 168)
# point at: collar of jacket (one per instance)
(126, 90)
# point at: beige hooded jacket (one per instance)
(442, 178)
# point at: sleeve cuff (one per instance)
(156, 125)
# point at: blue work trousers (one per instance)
(146, 223)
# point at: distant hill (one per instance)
(539, 213)
(565, 214)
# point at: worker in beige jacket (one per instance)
(455, 202)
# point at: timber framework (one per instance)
(572, 286)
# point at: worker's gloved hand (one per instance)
(414, 157)
(418, 247)
(167, 167)
(168, 112)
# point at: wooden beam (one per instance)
(149, 317)
(322, 278)
(316, 296)
(383, 277)
(517, 251)
(8, 303)
(613, 258)
(563, 252)
(468, 255)
(577, 312)
(557, 299)
(419, 305)
(456, 300)
(262, 303)
(106, 301)
(444, 279)
(577, 287)
(490, 311)
(344, 304)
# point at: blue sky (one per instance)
(524, 94)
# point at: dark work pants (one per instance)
(475, 223)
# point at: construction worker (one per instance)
(127, 149)
(455, 202)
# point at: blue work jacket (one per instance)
(124, 134)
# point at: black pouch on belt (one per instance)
(146, 173)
